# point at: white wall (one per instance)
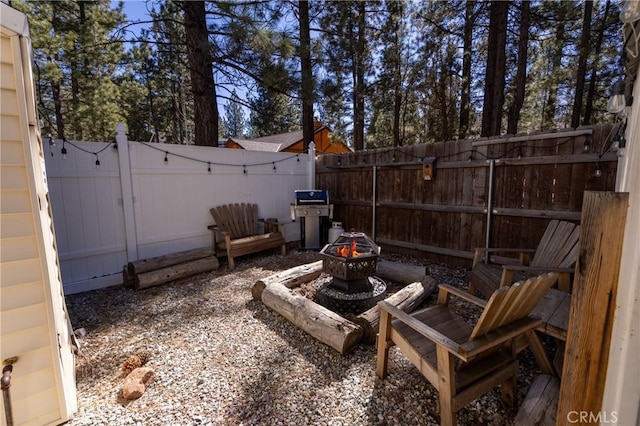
(622, 387)
(166, 205)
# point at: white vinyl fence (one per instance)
(135, 204)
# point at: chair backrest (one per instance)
(511, 303)
(239, 220)
(558, 246)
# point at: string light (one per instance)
(274, 166)
(209, 167)
(244, 169)
(166, 157)
(598, 172)
(51, 144)
(97, 161)
(519, 152)
(63, 151)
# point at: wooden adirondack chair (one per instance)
(460, 361)
(239, 226)
(557, 252)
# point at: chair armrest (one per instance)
(276, 222)
(446, 288)
(538, 268)
(481, 252)
(434, 335)
(498, 336)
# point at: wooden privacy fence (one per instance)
(448, 198)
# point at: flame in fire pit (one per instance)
(349, 250)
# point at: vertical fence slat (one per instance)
(445, 215)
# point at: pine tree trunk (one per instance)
(201, 71)
(495, 73)
(307, 75)
(521, 73)
(465, 97)
(588, 109)
(359, 85)
(549, 113)
(582, 64)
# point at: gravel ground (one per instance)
(222, 358)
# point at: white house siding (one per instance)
(33, 319)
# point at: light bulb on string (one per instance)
(63, 151)
(274, 166)
(519, 153)
(244, 169)
(598, 172)
(51, 144)
(209, 167)
(97, 162)
(166, 157)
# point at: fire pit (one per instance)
(350, 263)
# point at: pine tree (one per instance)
(234, 120)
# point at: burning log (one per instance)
(318, 321)
(406, 299)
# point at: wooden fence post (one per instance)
(592, 308)
(128, 199)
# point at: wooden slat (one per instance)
(509, 304)
(540, 405)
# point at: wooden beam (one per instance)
(431, 249)
(592, 305)
(534, 137)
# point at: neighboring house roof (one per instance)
(273, 143)
(255, 145)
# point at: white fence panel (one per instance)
(173, 198)
(87, 212)
(169, 201)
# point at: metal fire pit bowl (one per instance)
(353, 256)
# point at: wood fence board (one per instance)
(550, 181)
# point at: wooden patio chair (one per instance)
(239, 226)
(557, 252)
(460, 361)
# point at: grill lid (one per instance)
(311, 197)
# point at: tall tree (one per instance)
(75, 61)
(588, 109)
(582, 64)
(521, 73)
(201, 71)
(234, 119)
(465, 95)
(307, 74)
(550, 105)
(346, 50)
(495, 69)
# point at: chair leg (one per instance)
(542, 359)
(231, 263)
(383, 344)
(446, 387)
(509, 393)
